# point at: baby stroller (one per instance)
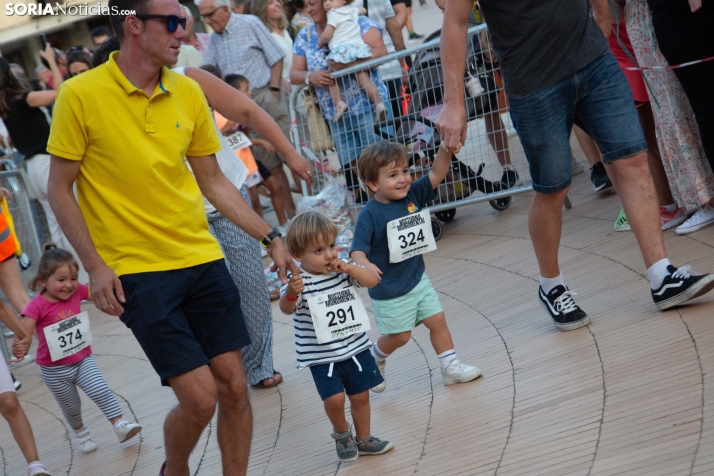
(417, 131)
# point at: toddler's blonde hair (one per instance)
(309, 229)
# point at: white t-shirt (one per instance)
(379, 11)
(347, 31)
(232, 167)
(286, 44)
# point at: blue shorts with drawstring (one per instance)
(597, 99)
(347, 376)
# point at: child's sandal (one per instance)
(346, 447)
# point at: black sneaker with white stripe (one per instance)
(559, 304)
(680, 286)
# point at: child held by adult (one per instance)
(59, 299)
(341, 362)
(392, 232)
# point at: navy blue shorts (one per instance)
(185, 317)
(346, 376)
(599, 100)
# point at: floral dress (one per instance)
(688, 172)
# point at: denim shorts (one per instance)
(598, 99)
(351, 135)
(404, 313)
(185, 317)
(347, 376)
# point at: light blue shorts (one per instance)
(404, 313)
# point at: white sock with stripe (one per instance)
(378, 354)
(445, 358)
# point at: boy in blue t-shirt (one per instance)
(404, 298)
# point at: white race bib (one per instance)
(238, 141)
(68, 337)
(410, 236)
(337, 314)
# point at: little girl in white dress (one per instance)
(343, 35)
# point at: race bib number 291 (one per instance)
(410, 236)
(68, 337)
(338, 314)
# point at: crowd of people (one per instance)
(202, 119)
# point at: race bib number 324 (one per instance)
(68, 337)
(338, 314)
(410, 236)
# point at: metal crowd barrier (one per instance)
(476, 174)
(22, 215)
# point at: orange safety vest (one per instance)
(8, 246)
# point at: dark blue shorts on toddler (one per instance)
(347, 376)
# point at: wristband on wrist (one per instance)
(295, 299)
(274, 88)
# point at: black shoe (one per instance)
(566, 315)
(16, 383)
(680, 286)
(509, 179)
(415, 36)
(599, 178)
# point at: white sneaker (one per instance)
(701, 219)
(283, 229)
(577, 167)
(37, 469)
(126, 430)
(84, 441)
(459, 372)
(382, 386)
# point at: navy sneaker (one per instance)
(680, 286)
(559, 304)
(599, 177)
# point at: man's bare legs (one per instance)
(654, 159)
(284, 184)
(632, 179)
(545, 223)
(197, 395)
(197, 392)
(235, 418)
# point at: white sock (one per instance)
(77, 432)
(378, 354)
(549, 283)
(657, 272)
(445, 358)
(670, 208)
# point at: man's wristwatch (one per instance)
(265, 242)
(307, 78)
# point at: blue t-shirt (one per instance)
(371, 238)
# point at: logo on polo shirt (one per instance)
(178, 126)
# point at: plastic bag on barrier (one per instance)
(333, 202)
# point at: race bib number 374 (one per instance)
(338, 314)
(68, 337)
(410, 236)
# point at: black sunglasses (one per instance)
(172, 21)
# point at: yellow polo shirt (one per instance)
(142, 205)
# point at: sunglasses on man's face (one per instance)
(172, 21)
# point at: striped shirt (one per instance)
(307, 350)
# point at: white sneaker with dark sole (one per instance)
(680, 286)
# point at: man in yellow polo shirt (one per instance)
(122, 131)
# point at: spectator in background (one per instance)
(77, 63)
(44, 75)
(21, 110)
(300, 19)
(99, 35)
(241, 44)
(273, 17)
(238, 6)
(61, 61)
(197, 40)
(189, 57)
(101, 56)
